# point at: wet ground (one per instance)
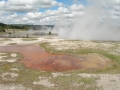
(36, 58)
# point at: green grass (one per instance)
(74, 82)
(12, 43)
(8, 56)
(5, 66)
(5, 39)
(1, 33)
(26, 77)
(29, 39)
(114, 68)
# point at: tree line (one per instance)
(3, 27)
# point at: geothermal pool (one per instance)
(36, 58)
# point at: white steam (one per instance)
(100, 21)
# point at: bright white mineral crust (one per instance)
(44, 81)
(13, 55)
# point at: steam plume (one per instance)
(100, 21)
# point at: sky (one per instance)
(44, 12)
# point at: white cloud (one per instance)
(27, 5)
(10, 11)
(76, 7)
(47, 17)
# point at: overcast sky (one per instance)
(42, 11)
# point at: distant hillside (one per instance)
(7, 26)
(3, 27)
(35, 27)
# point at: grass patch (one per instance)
(5, 66)
(12, 43)
(114, 68)
(8, 56)
(5, 39)
(2, 33)
(29, 39)
(26, 77)
(74, 82)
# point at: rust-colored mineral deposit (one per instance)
(36, 58)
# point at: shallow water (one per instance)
(36, 58)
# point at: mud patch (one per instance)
(37, 58)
